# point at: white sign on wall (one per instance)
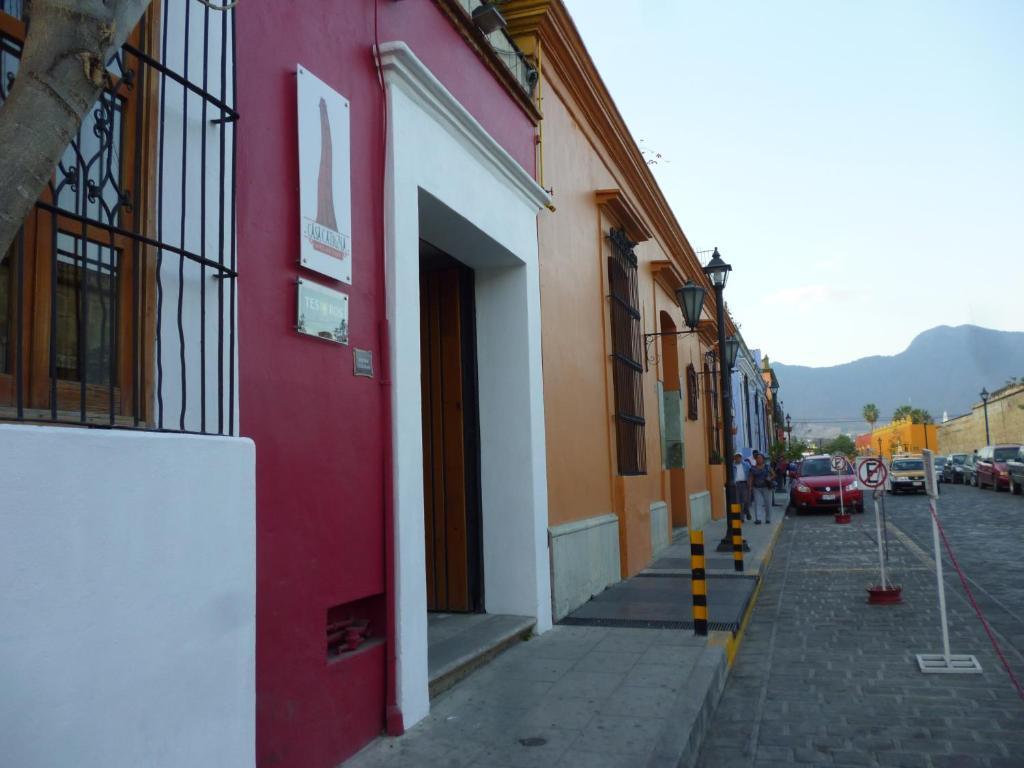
(325, 189)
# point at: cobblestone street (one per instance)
(823, 678)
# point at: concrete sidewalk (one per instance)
(590, 696)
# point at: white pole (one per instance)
(942, 587)
(881, 555)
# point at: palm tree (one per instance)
(870, 414)
(921, 416)
(902, 413)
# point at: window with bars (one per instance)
(627, 352)
(691, 393)
(714, 433)
(117, 299)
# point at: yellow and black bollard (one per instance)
(736, 526)
(698, 580)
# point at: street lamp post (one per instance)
(984, 402)
(789, 431)
(718, 272)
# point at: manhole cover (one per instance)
(533, 741)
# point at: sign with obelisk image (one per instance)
(325, 188)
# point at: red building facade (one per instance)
(339, 456)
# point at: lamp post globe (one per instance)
(717, 271)
(691, 301)
(732, 350)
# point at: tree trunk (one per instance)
(60, 76)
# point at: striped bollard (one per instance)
(698, 581)
(736, 524)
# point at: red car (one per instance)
(990, 466)
(817, 487)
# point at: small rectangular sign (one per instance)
(325, 187)
(322, 312)
(362, 362)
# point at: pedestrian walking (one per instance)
(741, 492)
(781, 466)
(760, 479)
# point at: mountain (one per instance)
(943, 369)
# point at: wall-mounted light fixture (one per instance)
(488, 18)
(690, 298)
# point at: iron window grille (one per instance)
(691, 393)
(627, 355)
(714, 432)
(118, 298)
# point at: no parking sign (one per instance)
(872, 473)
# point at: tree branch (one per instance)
(60, 76)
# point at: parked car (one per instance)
(990, 467)
(970, 465)
(953, 469)
(906, 474)
(940, 463)
(816, 486)
(1015, 467)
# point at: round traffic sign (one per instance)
(872, 473)
(838, 463)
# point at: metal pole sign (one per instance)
(944, 662)
(873, 474)
(838, 463)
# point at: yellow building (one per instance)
(900, 437)
(630, 417)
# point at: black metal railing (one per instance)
(118, 298)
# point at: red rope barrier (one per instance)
(974, 604)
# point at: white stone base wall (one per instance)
(128, 630)
(700, 510)
(661, 535)
(584, 561)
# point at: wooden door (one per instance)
(450, 444)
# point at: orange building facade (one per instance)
(631, 420)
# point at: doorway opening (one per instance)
(451, 434)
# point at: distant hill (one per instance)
(943, 369)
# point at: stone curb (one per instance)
(680, 741)
(690, 719)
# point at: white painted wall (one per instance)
(449, 181)
(584, 561)
(661, 529)
(128, 567)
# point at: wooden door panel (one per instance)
(444, 449)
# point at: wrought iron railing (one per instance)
(117, 300)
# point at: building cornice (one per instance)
(402, 68)
(620, 209)
(543, 28)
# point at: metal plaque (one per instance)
(362, 362)
(322, 312)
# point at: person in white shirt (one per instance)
(741, 494)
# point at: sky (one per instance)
(859, 164)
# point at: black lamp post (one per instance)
(789, 431)
(718, 273)
(984, 402)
